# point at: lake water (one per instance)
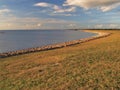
(12, 40)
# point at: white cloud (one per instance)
(12, 22)
(61, 14)
(60, 10)
(111, 25)
(114, 25)
(56, 8)
(39, 24)
(103, 5)
(31, 26)
(72, 25)
(99, 26)
(43, 4)
(2, 11)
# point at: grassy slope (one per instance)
(91, 65)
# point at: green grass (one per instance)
(93, 65)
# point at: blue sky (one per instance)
(59, 14)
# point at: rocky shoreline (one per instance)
(54, 46)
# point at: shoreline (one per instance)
(55, 46)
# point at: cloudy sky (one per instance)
(59, 14)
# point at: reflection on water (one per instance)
(21, 39)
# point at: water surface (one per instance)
(12, 40)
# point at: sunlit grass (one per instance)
(91, 65)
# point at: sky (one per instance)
(59, 14)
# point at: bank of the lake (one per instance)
(56, 46)
(91, 65)
(14, 40)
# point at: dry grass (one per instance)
(93, 65)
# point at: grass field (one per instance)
(93, 65)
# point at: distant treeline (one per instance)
(101, 29)
(93, 29)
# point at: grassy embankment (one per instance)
(90, 65)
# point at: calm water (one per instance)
(22, 39)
